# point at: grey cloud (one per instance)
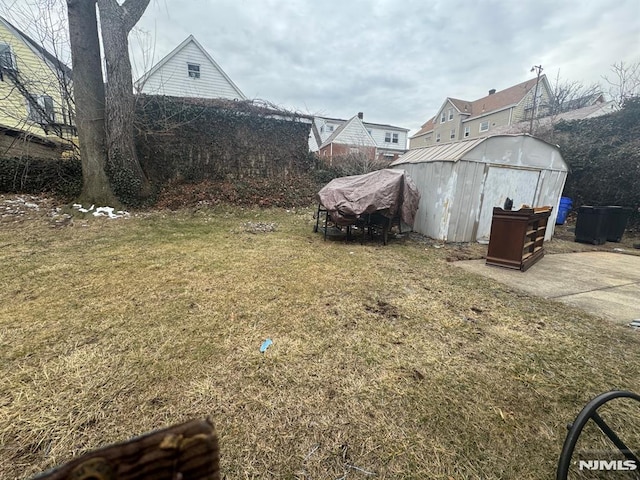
(396, 60)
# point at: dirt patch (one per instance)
(384, 309)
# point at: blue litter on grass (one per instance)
(265, 345)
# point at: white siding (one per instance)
(172, 78)
(313, 144)
(354, 133)
(378, 134)
(327, 127)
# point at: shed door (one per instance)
(518, 185)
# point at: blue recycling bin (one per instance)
(563, 210)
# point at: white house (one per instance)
(379, 140)
(189, 71)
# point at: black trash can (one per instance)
(617, 218)
(591, 225)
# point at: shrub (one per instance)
(62, 177)
(603, 155)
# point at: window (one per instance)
(451, 114)
(443, 117)
(329, 128)
(484, 126)
(7, 59)
(194, 70)
(452, 134)
(354, 150)
(467, 131)
(40, 109)
(390, 137)
(437, 137)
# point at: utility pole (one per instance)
(539, 69)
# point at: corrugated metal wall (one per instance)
(550, 186)
(465, 211)
(450, 199)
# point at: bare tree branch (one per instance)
(568, 95)
(133, 10)
(625, 82)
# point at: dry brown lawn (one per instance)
(387, 362)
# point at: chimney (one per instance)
(492, 91)
(360, 115)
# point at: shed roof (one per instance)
(501, 149)
(448, 152)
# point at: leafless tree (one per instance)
(116, 21)
(568, 95)
(90, 100)
(624, 81)
(115, 110)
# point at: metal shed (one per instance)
(461, 182)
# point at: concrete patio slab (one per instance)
(601, 283)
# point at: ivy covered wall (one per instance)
(603, 155)
(204, 139)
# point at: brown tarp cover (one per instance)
(390, 193)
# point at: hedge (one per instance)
(62, 177)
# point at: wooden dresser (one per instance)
(517, 237)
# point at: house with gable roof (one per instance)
(189, 71)
(36, 114)
(332, 137)
(462, 119)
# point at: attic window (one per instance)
(7, 59)
(443, 117)
(451, 114)
(194, 70)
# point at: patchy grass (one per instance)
(385, 360)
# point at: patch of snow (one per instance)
(102, 211)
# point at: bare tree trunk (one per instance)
(116, 22)
(89, 99)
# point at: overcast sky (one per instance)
(394, 60)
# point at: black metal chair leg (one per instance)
(315, 229)
(326, 221)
